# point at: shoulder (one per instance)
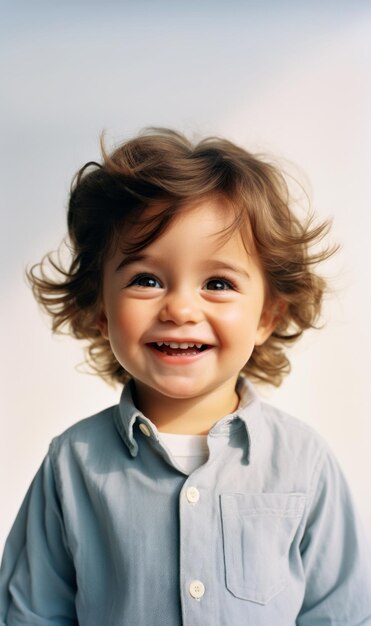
(82, 457)
(288, 427)
(88, 427)
(86, 437)
(276, 432)
(292, 444)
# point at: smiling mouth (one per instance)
(181, 349)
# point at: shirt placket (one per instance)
(196, 563)
(200, 540)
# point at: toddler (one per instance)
(191, 502)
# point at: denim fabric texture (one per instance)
(108, 534)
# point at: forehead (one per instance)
(214, 220)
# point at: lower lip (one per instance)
(181, 359)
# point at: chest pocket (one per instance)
(258, 530)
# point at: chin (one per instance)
(179, 390)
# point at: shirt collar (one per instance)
(247, 412)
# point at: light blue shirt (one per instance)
(113, 533)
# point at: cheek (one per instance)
(127, 321)
(240, 320)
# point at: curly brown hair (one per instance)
(163, 168)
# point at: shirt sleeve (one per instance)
(335, 554)
(37, 578)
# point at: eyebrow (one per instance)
(224, 265)
(130, 259)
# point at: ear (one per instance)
(102, 324)
(271, 315)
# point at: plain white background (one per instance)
(287, 78)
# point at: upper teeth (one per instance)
(174, 344)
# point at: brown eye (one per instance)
(145, 280)
(218, 284)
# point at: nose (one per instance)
(181, 307)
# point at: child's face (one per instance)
(202, 295)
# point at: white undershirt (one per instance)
(189, 451)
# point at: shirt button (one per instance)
(145, 430)
(196, 589)
(193, 494)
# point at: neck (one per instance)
(188, 416)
